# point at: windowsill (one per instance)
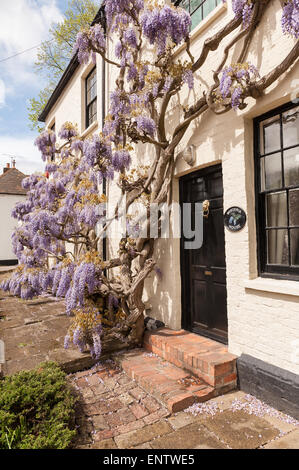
(273, 285)
(90, 129)
(204, 24)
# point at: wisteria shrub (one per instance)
(59, 243)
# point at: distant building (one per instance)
(11, 192)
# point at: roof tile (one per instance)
(11, 182)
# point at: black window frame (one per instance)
(265, 269)
(94, 100)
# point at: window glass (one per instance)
(277, 244)
(295, 247)
(291, 166)
(277, 160)
(199, 9)
(207, 7)
(271, 174)
(294, 207)
(276, 209)
(54, 130)
(91, 98)
(197, 14)
(290, 125)
(270, 135)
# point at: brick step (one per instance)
(170, 385)
(202, 357)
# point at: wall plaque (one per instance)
(234, 219)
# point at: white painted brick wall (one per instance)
(262, 324)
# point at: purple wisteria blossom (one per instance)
(87, 40)
(244, 9)
(66, 132)
(188, 78)
(233, 81)
(290, 18)
(146, 125)
(121, 159)
(160, 24)
(45, 143)
(116, 11)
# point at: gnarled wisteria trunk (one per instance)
(66, 209)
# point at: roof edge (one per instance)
(69, 72)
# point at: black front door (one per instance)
(203, 270)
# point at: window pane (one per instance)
(294, 207)
(94, 110)
(208, 6)
(277, 246)
(271, 174)
(196, 16)
(91, 78)
(290, 122)
(92, 113)
(270, 135)
(91, 87)
(294, 246)
(92, 93)
(185, 4)
(291, 166)
(276, 209)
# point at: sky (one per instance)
(23, 25)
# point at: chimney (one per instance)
(6, 168)
(13, 163)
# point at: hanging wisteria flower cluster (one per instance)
(65, 207)
(161, 24)
(234, 79)
(290, 18)
(243, 9)
(87, 40)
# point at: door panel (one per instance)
(204, 270)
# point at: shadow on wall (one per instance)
(162, 293)
(216, 138)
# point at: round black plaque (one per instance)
(235, 219)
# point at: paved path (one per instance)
(114, 412)
(33, 331)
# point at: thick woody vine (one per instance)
(58, 243)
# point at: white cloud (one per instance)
(27, 156)
(24, 24)
(2, 93)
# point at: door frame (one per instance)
(186, 320)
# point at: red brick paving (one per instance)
(201, 356)
(101, 412)
(174, 387)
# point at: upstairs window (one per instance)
(54, 130)
(198, 9)
(91, 97)
(277, 177)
